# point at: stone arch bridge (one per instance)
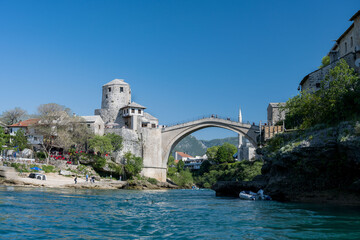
(172, 135)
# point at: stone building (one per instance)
(118, 111)
(346, 47)
(95, 124)
(139, 129)
(274, 113)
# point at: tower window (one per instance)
(109, 89)
(132, 110)
(121, 89)
(106, 96)
(139, 111)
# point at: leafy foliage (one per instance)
(239, 171)
(20, 140)
(133, 165)
(116, 141)
(101, 144)
(325, 61)
(4, 138)
(337, 100)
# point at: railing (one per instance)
(232, 119)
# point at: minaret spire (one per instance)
(240, 116)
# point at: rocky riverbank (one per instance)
(318, 165)
(9, 177)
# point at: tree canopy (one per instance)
(337, 100)
(13, 116)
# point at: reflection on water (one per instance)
(42, 213)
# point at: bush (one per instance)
(152, 181)
(48, 168)
(41, 155)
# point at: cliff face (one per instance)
(316, 165)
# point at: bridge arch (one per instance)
(171, 136)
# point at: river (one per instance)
(43, 213)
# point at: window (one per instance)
(121, 89)
(139, 111)
(109, 89)
(99, 127)
(318, 85)
(35, 139)
(153, 125)
(88, 125)
(106, 96)
(351, 42)
(144, 125)
(132, 110)
(345, 47)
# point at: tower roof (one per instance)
(116, 82)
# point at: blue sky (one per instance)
(182, 59)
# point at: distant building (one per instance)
(32, 137)
(347, 47)
(195, 163)
(181, 156)
(246, 151)
(274, 113)
(95, 124)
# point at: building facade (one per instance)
(346, 47)
(275, 114)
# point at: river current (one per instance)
(42, 213)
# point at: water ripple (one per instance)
(178, 214)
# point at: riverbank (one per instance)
(54, 180)
(319, 165)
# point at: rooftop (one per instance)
(92, 118)
(184, 154)
(134, 105)
(26, 123)
(116, 82)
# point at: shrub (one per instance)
(152, 181)
(48, 168)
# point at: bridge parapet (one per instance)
(214, 118)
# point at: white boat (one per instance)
(249, 195)
(246, 196)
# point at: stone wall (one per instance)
(314, 79)
(131, 143)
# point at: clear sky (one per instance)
(183, 59)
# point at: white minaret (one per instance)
(239, 155)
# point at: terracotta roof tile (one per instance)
(184, 155)
(26, 123)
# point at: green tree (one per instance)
(211, 152)
(180, 166)
(116, 141)
(4, 138)
(171, 161)
(225, 153)
(100, 144)
(20, 140)
(337, 100)
(325, 61)
(133, 165)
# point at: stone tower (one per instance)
(115, 95)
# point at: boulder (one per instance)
(66, 173)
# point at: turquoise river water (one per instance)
(31, 213)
